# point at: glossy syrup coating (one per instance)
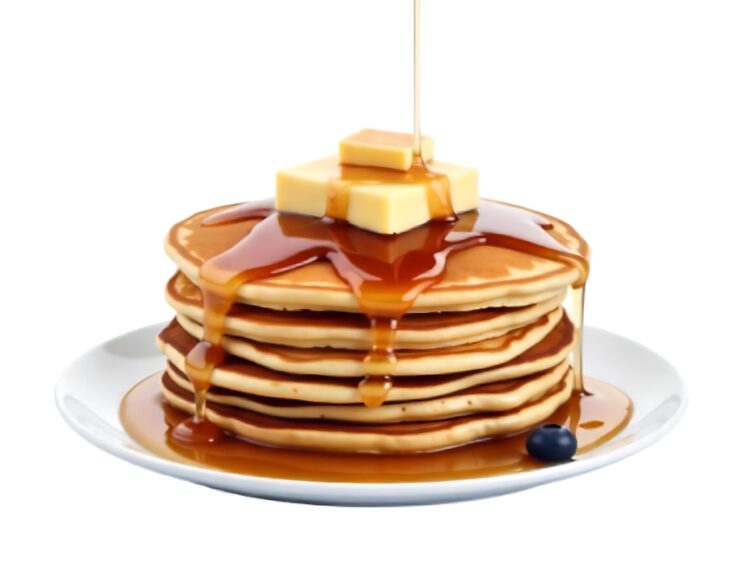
(594, 417)
(385, 273)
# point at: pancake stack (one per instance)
(483, 353)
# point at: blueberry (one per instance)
(551, 443)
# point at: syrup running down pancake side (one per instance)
(385, 272)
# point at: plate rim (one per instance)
(457, 489)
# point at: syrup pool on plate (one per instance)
(594, 417)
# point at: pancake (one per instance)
(408, 437)
(319, 329)
(249, 378)
(499, 396)
(475, 278)
(350, 363)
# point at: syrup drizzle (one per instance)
(417, 73)
(578, 296)
(381, 360)
(436, 186)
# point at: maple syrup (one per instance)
(386, 273)
(594, 416)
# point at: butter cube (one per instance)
(382, 149)
(388, 208)
(464, 185)
(304, 189)
(379, 200)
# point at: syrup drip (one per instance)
(219, 288)
(578, 296)
(381, 360)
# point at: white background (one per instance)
(629, 119)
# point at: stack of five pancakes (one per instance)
(482, 353)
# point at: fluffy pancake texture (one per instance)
(483, 353)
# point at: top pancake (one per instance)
(479, 277)
(308, 329)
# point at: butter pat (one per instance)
(464, 185)
(382, 149)
(379, 200)
(387, 208)
(304, 189)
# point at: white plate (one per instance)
(89, 392)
